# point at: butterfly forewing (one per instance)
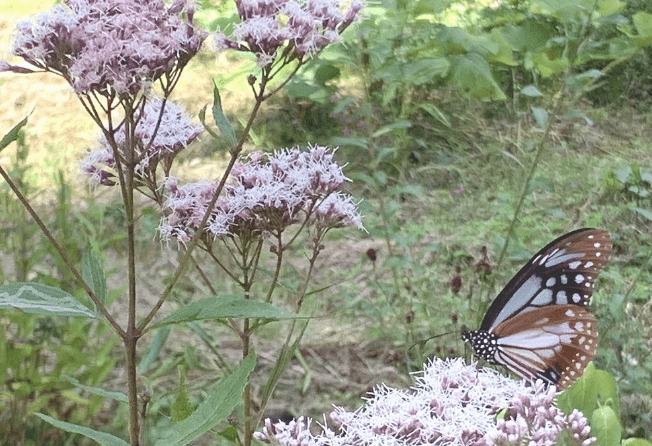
(539, 326)
(561, 273)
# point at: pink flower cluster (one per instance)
(265, 195)
(535, 420)
(306, 25)
(452, 404)
(109, 46)
(174, 132)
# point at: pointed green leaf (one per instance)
(643, 212)
(531, 91)
(540, 116)
(101, 437)
(93, 274)
(435, 113)
(118, 396)
(181, 407)
(154, 349)
(12, 135)
(605, 427)
(218, 405)
(222, 123)
(202, 119)
(41, 299)
(216, 307)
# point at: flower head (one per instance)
(306, 26)
(110, 46)
(451, 404)
(155, 142)
(266, 194)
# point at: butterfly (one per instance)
(539, 326)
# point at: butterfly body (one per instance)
(539, 326)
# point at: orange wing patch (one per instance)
(560, 339)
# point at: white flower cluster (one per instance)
(452, 404)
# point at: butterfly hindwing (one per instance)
(561, 273)
(554, 343)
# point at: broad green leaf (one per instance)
(223, 307)
(425, 70)
(545, 65)
(118, 396)
(472, 76)
(607, 389)
(581, 395)
(101, 437)
(605, 427)
(12, 134)
(325, 73)
(609, 7)
(531, 91)
(540, 116)
(504, 53)
(222, 122)
(154, 349)
(643, 212)
(643, 23)
(93, 274)
(41, 299)
(218, 405)
(636, 442)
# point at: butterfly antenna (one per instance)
(423, 342)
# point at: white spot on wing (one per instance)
(543, 298)
(551, 281)
(564, 279)
(579, 278)
(562, 299)
(575, 264)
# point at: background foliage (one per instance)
(439, 108)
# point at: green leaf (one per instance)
(325, 73)
(581, 395)
(181, 407)
(202, 119)
(643, 212)
(93, 274)
(216, 307)
(636, 442)
(12, 135)
(531, 91)
(356, 142)
(643, 23)
(605, 427)
(222, 123)
(435, 113)
(101, 437)
(118, 396)
(154, 349)
(41, 299)
(218, 405)
(397, 125)
(545, 65)
(540, 116)
(471, 74)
